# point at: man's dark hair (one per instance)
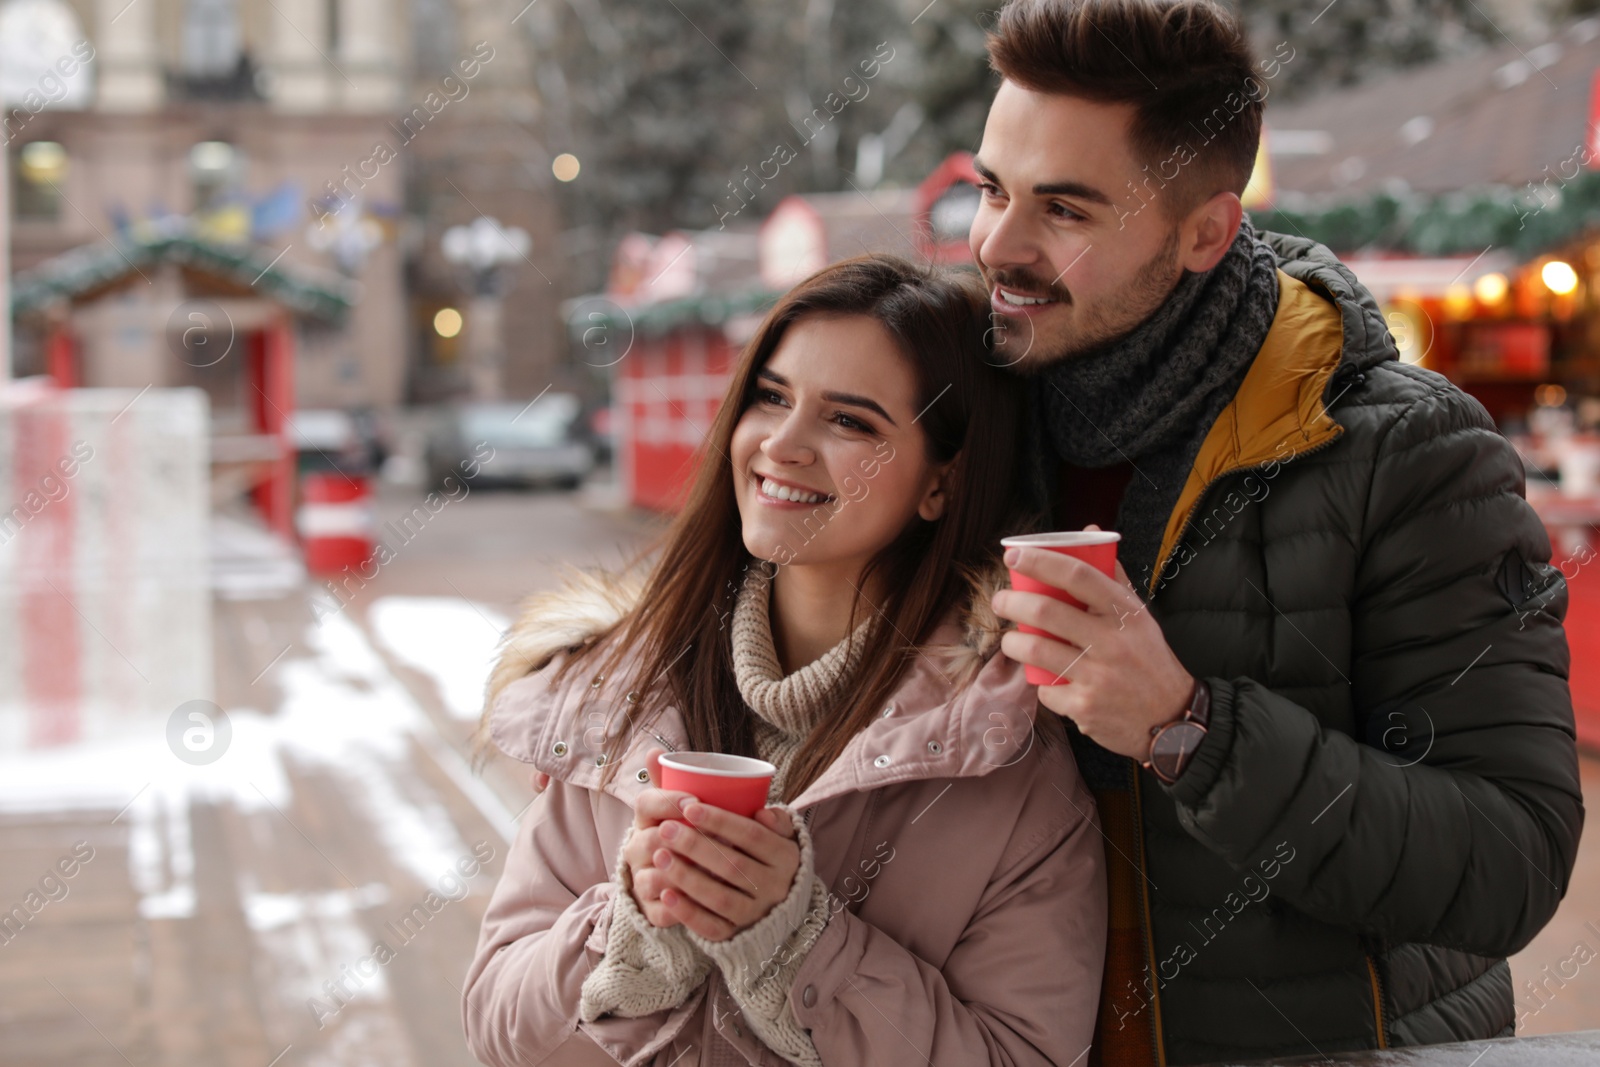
(1184, 65)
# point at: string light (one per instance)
(1559, 277)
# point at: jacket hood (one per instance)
(1367, 341)
(959, 708)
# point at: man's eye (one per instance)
(1062, 211)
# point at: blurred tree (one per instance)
(952, 82)
(695, 113)
(1345, 41)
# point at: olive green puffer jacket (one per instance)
(1387, 803)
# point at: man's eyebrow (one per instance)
(853, 399)
(1064, 188)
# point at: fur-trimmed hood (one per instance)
(961, 709)
(591, 602)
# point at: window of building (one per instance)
(211, 43)
(39, 173)
(214, 170)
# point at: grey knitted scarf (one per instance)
(1150, 397)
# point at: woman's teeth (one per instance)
(1020, 300)
(783, 492)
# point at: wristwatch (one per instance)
(1173, 744)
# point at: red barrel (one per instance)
(335, 521)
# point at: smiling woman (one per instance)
(870, 359)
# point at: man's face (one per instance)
(1058, 223)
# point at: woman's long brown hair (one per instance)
(971, 409)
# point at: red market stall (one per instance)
(175, 308)
(667, 331)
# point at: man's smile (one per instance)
(1015, 302)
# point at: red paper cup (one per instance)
(733, 783)
(1098, 548)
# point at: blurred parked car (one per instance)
(543, 443)
(330, 439)
(602, 424)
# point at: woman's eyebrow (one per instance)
(853, 399)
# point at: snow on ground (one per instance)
(449, 639)
(342, 713)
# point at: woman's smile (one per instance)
(775, 492)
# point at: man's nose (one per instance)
(1003, 240)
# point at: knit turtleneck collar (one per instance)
(795, 702)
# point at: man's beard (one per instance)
(1099, 325)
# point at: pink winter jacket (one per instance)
(963, 848)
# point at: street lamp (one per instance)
(485, 251)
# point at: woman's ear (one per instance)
(931, 507)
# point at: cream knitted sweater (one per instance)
(646, 969)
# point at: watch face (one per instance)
(1173, 747)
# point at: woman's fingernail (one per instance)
(669, 830)
(1012, 555)
(691, 812)
(663, 858)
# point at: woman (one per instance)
(822, 601)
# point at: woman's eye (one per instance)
(850, 423)
(768, 396)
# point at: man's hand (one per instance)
(1124, 679)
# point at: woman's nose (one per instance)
(786, 444)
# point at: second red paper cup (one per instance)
(733, 783)
(1098, 548)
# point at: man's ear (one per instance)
(1207, 232)
(934, 500)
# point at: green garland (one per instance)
(1528, 220)
(82, 270)
(585, 314)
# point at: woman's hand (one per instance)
(654, 807)
(721, 873)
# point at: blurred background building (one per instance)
(298, 141)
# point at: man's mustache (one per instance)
(1022, 281)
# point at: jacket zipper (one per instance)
(1147, 927)
(1377, 1001)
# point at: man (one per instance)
(1328, 723)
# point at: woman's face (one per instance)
(829, 464)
